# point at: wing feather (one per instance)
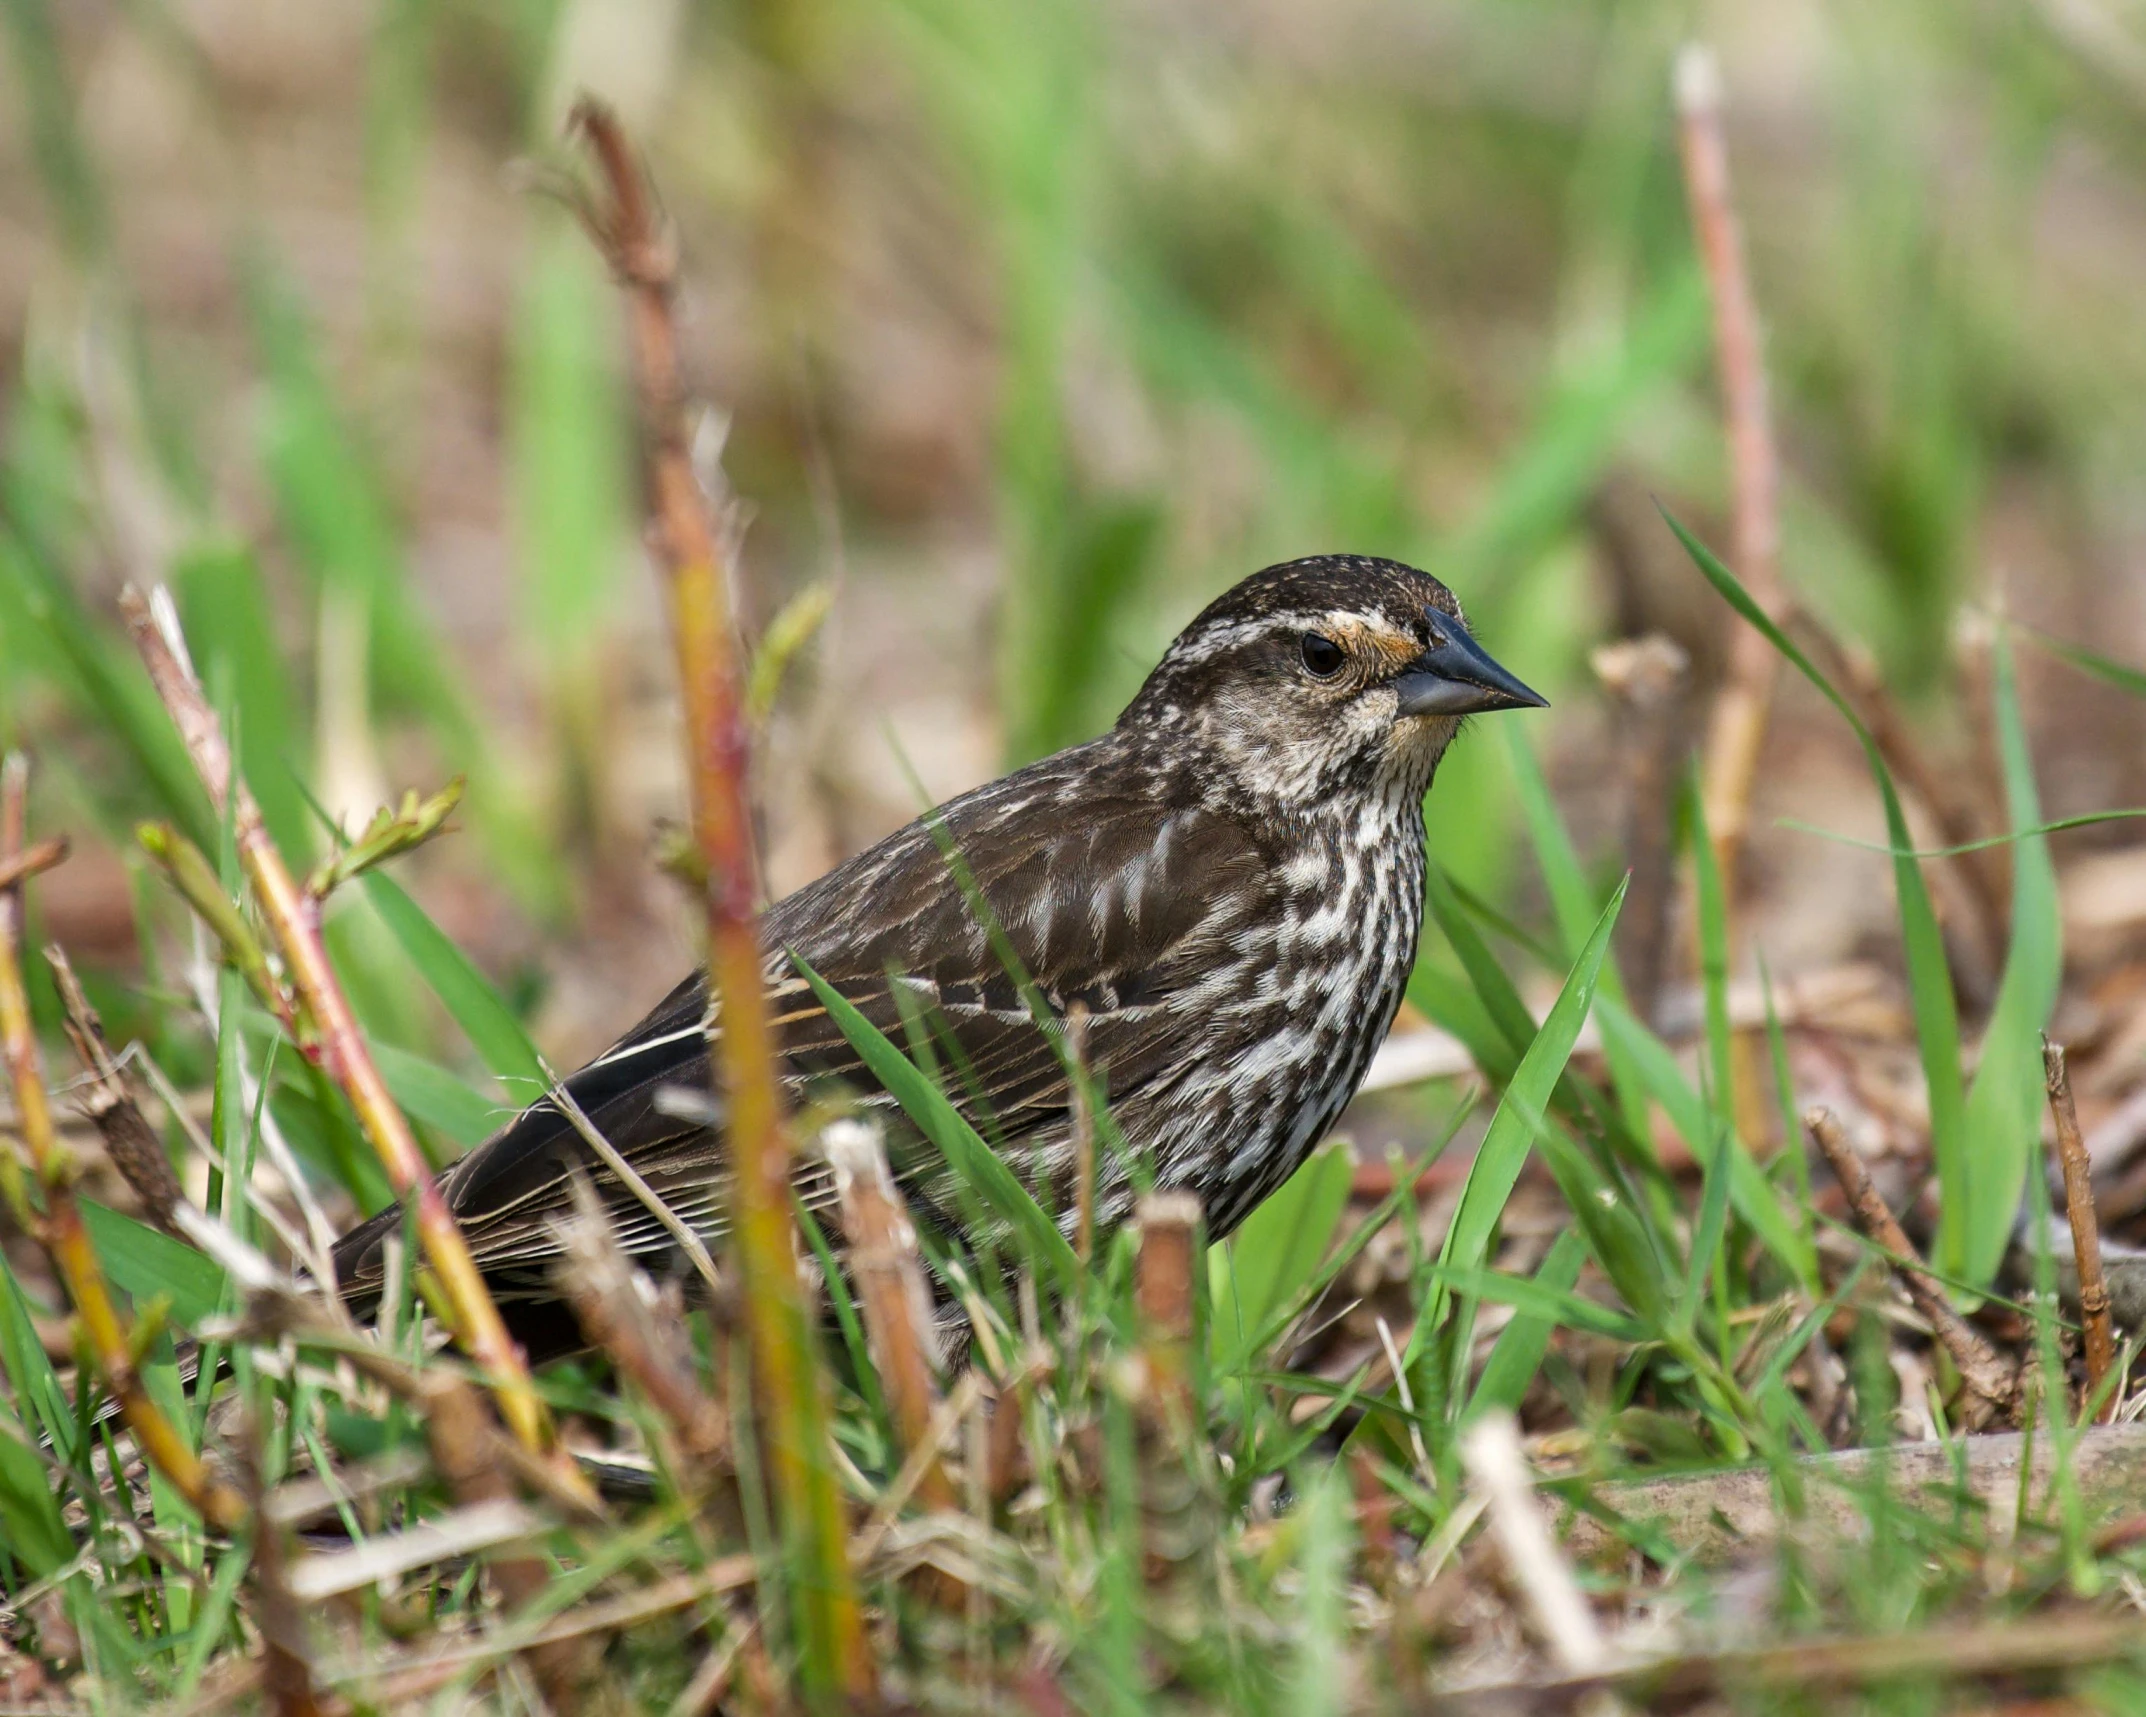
(1109, 901)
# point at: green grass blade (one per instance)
(1493, 986)
(2106, 669)
(1319, 1678)
(29, 1370)
(1573, 899)
(2004, 1105)
(1279, 1248)
(1517, 1354)
(1937, 1020)
(145, 1264)
(1542, 1298)
(436, 1098)
(943, 1124)
(29, 1513)
(1519, 1117)
(489, 1024)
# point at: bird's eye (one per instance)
(1322, 656)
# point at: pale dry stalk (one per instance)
(1736, 732)
(1163, 1289)
(1648, 678)
(1076, 1042)
(888, 1274)
(1498, 1467)
(606, 1292)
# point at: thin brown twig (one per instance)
(334, 1042)
(2085, 1227)
(60, 1227)
(1737, 730)
(695, 541)
(1992, 1385)
(129, 1140)
(17, 868)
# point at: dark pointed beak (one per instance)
(1456, 676)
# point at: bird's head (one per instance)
(1322, 680)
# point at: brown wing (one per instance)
(1104, 899)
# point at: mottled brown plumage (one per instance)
(1229, 883)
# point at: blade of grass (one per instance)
(1573, 900)
(1046, 1250)
(1544, 1299)
(1519, 1117)
(1517, 1354)
(2004, 1104)
(1281, 1244)
(497, 1036)
(1937, 1020)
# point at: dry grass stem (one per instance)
(695, 542)
(129, 1140)
(18, 867)
(2085, 1227)
(1648, 678)
(277, 1311)
(689, 1243)
(1163, 1288)
(1490, 1449)
(60, 1228)
(609, 1298)
(888, 1275)
(1992, 1385)
(1076, 1042)
(386, 1684)
(334, 1041)
(1736, 732)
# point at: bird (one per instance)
(1226, 889)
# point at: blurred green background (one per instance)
(1035, 325)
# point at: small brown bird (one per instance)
(1229, 882)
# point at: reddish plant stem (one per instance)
(334, 1043)
(2085, 1227)
(695, 547)
(60, 1227)
(1737, 730)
